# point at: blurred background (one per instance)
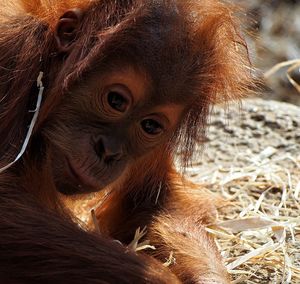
(275, 26)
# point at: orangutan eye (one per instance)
(151, 126)
(117, 101)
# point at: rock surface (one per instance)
(256, 127)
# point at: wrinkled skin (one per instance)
(111, 122)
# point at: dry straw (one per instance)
(258, 231)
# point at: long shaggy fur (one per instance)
(194, 53)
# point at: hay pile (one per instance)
(253, 160)
(259, 231)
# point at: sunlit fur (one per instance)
(196, 44)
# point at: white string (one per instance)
(32, 123)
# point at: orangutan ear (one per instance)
(66, 30)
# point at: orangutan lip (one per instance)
(83, 178)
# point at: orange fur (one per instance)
(48, 11)
(193, 55)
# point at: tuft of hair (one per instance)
(48, 11)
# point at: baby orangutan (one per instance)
(126, 84)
